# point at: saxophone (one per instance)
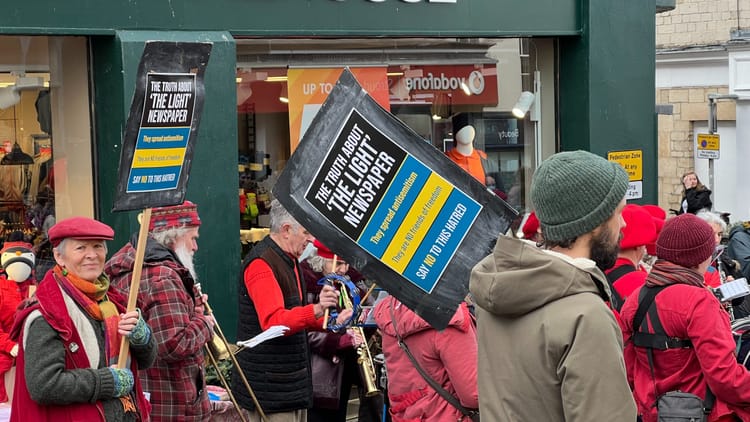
(364, 359)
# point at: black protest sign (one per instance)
(162, 127)
(391, 204)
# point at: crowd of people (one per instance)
(597, 310)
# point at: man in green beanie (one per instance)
(550, 348)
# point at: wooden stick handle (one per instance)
(135, 281)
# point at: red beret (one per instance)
(83, 228)
(323, 251)
(531, 226)
(182, 215)
(660, 217)
(639, 230)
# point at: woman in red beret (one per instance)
(69, 335)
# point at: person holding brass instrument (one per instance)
(334, 356)
(272, 292)
(172, 304)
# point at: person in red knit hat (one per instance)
(174, 306)
(628, 273)
(660, 217)
(530, 228)
(698, 355)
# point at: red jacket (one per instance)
(9, 300)
(448, 356)
(626, 284)
(688, 312)
(52, 306)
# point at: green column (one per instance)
(607, 88)
(213, 181)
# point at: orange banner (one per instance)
(309, 88)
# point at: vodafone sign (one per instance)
(465, 84)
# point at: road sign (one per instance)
(707, 145)
(632, 162)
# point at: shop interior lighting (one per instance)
(16, 156)
(523, 104)
(11, 95)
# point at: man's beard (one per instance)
(186, 259)
(603, 250)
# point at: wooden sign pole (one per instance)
(135, 281)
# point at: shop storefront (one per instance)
(67, 77)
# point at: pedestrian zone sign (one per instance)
(707, 146)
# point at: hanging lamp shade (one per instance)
(16, 157)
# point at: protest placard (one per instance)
(391, 204)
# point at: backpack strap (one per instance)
(659, 339)
(614, 275)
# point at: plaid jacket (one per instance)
(176, 381)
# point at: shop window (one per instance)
(423, 82)
(45, 138)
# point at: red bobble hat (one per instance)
(323, 251)
(531, 226)
(639, 228)
(685, 240)
(183, 215)
(82, 228)
(659, 216)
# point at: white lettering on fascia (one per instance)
(414, 1)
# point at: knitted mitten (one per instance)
(123, 381)
(141, 333)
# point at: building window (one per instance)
(424, 82)
(46, 168)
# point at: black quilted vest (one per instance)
(278, 370)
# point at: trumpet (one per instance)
(364, 359)
(219, 345)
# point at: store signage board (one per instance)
(390, 204)
(707, 145)
(162, 126)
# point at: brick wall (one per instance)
(701, 22)
(676, 133)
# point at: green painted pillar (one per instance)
(213, 181)
(607, 88)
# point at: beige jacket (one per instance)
(550, 349)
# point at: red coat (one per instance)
(448, 356)
(52, 306)
(688, 312)
(9, 300)
(626, 284)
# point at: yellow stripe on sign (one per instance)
(164, 157)
(412, 230)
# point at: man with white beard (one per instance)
(174, 308)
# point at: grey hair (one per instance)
(317, 263)
(60, 248)
(169, 236)
(280, 216)
(712, 218)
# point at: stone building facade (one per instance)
(700, 45)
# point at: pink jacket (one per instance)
(449, 357)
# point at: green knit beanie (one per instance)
(574, 192)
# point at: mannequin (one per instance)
(464, 154)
